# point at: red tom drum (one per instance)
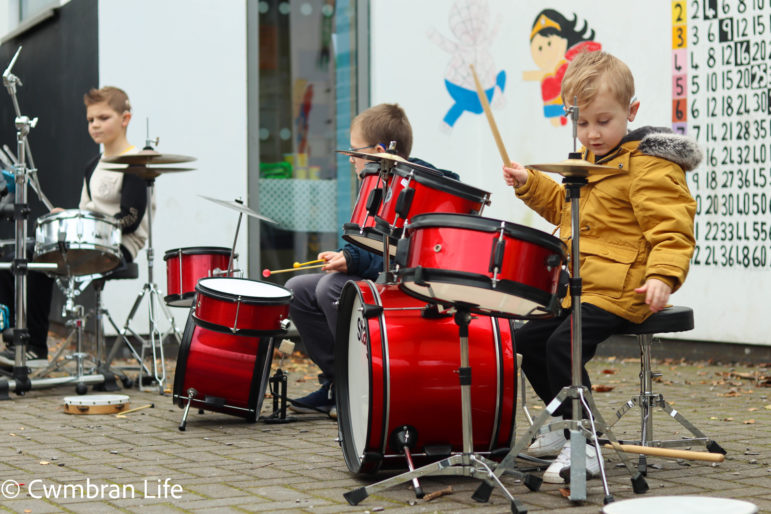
(361, 229)
(185, 266)
(241, 306)
(396, 364)
(227, 373)
(492, 266)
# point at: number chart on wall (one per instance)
(720, 97)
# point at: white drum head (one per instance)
(680, 505)
(244, 287)
(97, 399)
(358, 377)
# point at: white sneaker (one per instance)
(548, 444)
(560, 468)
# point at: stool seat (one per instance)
(671, 319)
(131, 270)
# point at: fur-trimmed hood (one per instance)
(663, 142)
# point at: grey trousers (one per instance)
(313, 311)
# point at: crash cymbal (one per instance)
(148, 172)
(238, 207)
(148, 157)
(572, 168)
(388, 157)
(378, 156)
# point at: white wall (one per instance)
(183, 64)
(408, 67)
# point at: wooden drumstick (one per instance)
(666, 452)
(123, 414)
(266, 272)
(490, 119)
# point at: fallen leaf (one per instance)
(609, 371)
(565, 492)
(749, 421)
(602, 388)
(44, 462)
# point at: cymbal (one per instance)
(148, 157)
(379, 156)
(238, 207)
(148, 172)
(572, 168)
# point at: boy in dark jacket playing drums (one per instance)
(637, 233)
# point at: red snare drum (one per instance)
(361, 230)
(185, 266)
(241, 306)
(228, 372)
(397, 365)
(494, 266)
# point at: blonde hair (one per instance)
(589, 72)
(115, 97)
(383, 123)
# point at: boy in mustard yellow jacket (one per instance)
(636, 231)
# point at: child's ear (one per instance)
(380, 147)
(633, 110)
(125, 119)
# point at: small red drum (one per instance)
(492, 266)
(415, 191)
(228, 373)
(241, 306)
(185, 266)
(361, 230)
(396, 365)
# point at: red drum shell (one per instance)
(361, 230)
(398, 368)
(185, 266)
(241, 306)
(230, 371)
(433, 193)
(452, 254)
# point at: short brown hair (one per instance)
(383, 123)
(115, 97)
(589, 71)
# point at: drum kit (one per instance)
(390, 411)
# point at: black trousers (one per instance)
(546, 348)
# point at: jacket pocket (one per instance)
(605, 267)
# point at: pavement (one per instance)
(53, 461)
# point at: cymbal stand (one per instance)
(577, 393)
(19, 381)
(156, 306)
(467, 463)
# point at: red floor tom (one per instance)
(397, 364)
(228, 373)
(496, 267)
(185, 266)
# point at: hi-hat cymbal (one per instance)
(148, 172)
(377, 156)
(148, 157)
(572, 168)
(238, 207)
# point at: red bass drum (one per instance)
(396, 364)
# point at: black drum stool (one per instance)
(671, 319)
(129, 271)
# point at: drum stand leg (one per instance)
(577, 393)
(466, 463)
